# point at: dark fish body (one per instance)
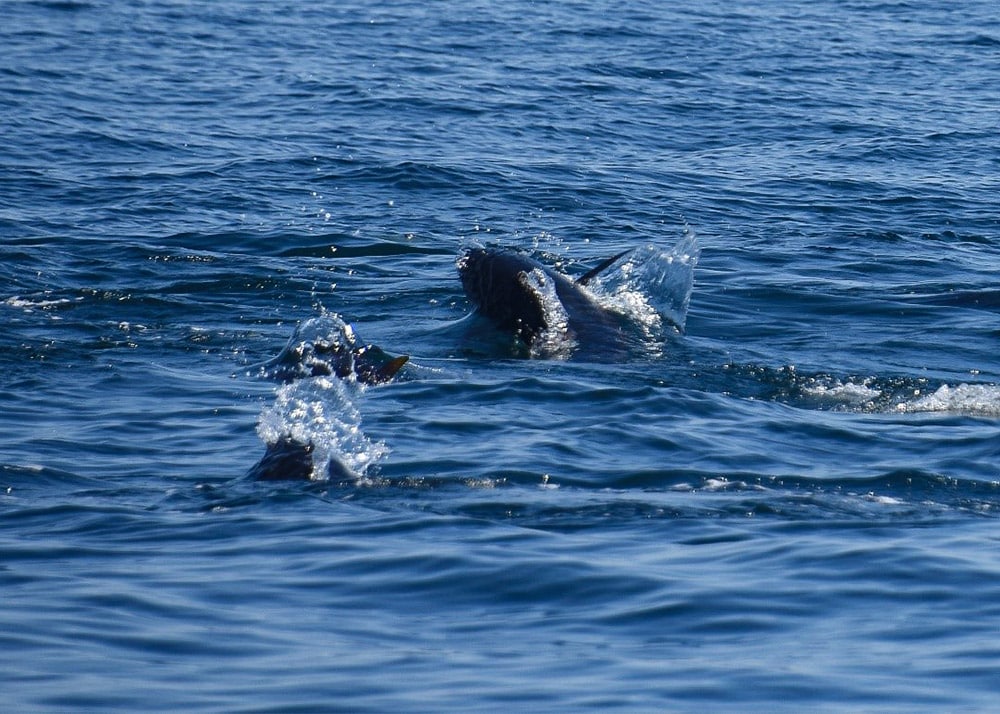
(324, 347)
(291, 460)
(511, 289)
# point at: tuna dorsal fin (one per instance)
(603, 265)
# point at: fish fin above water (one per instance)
(388, 370)
(374, 366)
(602, 266)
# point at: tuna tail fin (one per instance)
(374, 366)
(602, 266)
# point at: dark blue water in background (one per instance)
(792, 506)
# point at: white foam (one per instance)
(971, 399)
(30, 304)
(849, 393)
(724, 484)
(884, 500)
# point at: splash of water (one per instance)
(556, 340)
(652, 285)
(323, 412)
(318, 404)
(321, 345)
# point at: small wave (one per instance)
(908, 495)
(348, 247)
(968, 399)
(980, 39)
(415, 175)
(64, 5)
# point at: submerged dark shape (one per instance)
(525, 297)
(326, 346)
(289, 459)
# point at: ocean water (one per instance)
(791, 505)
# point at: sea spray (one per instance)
(652, 285)
(323, 412)
(319, 403)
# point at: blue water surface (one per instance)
(792, 505)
